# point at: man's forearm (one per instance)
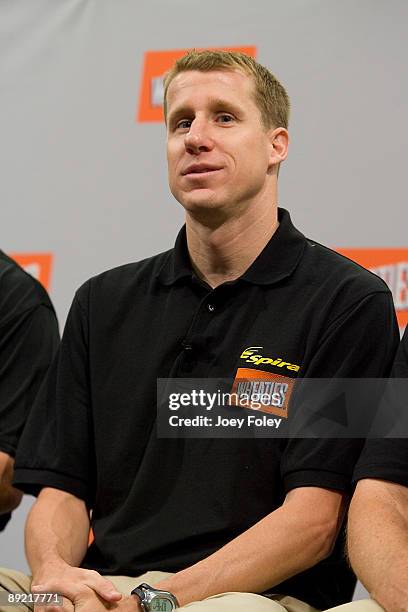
(378, 541)
(9, 496)
(57, 530)
(291, 539)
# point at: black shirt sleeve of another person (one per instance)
(4, 519)
(28, 340)
(61, 430)
(387, 459)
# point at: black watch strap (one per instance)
(138, 591)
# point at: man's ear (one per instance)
(279, 140)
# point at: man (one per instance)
(214, 522)
(378, 518)
(28, 341)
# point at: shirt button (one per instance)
(211, 307)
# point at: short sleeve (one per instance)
(359, 343)
(385, 459)
(28, 342)
(56, 449)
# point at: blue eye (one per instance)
(185, 124)
(225, 118)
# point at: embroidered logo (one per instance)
(253, 355)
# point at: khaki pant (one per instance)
(11, 580)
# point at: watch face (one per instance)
(161, 604)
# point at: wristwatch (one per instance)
(153, 600)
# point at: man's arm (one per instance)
(10, 497)
(378, 541)
(57, 532)
(291, 539)
(303, 530)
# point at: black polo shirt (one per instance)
(387, 459)
(28, 341)
(164, 504)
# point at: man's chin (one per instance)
(208, 213)
(203, 199)
(205, 205)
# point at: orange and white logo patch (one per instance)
(37, 264)
(263, 391)
(392, 266)
(155, 65)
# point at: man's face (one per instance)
(218, 151)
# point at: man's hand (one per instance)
(91, 602)
(82, 589)
(57, 532)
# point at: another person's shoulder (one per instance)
(19, 291)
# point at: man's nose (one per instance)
(198, 138)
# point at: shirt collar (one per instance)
(276, 261)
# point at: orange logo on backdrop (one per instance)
(392, 266)
(36, 264)
(156, 63)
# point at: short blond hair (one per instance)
(270, 95)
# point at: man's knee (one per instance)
(12, 581)
(234, 602)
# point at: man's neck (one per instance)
(223, 253)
